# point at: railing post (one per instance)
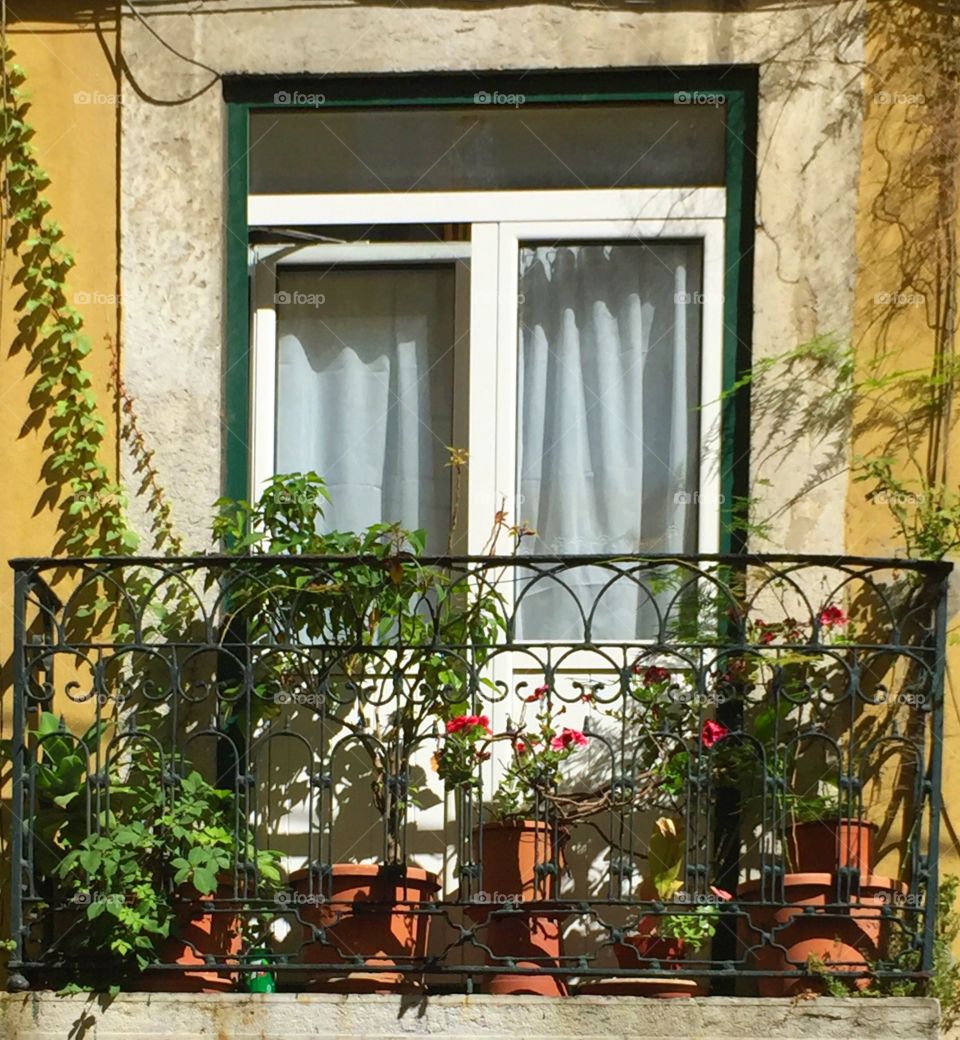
(934, 776)
(17, 980)
(727, 819)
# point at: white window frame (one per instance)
(265, 262)
(500, 222)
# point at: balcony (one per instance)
(662, 776)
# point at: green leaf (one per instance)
(205, 881)
(90, 860)
(665, 857)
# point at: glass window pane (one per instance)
(608, 445)
(365, 391)
(487, 147)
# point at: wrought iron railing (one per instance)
(521, 774)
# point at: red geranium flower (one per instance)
(568, 738)
(833, 617)
(653, 675)
(463, 721)
(712, 732)
(538, 694)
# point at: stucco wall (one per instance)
(173, 184)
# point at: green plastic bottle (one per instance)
(260, 981)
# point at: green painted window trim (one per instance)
(236, 362)
(738, 86)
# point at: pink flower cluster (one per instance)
(568, 738)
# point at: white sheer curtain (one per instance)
(608, 441)
(365, 391)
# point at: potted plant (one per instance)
(518, 850)
(140, 872)
(822, 838)
(661, 940)
(382, 619)
(827, 907)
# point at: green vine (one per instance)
(900, 406)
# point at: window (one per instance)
(568, 335)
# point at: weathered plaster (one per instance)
(183, 1016)
(173, 184)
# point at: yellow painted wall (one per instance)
(906, 282)
(72, 88)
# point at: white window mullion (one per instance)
(461, 400)
(711, 387)
(263, 376)
(483, 394)
(507, 374)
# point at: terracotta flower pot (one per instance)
(509, 855)
(824, 846)
(514, 917)
(370, 913)
(531, 939)
(785, 937)
(645, 945)
(641, 948)
(201, 929)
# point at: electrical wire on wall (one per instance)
(217, 76)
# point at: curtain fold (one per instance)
(608, 424)
(365, 392)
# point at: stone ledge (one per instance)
(281, 1016)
